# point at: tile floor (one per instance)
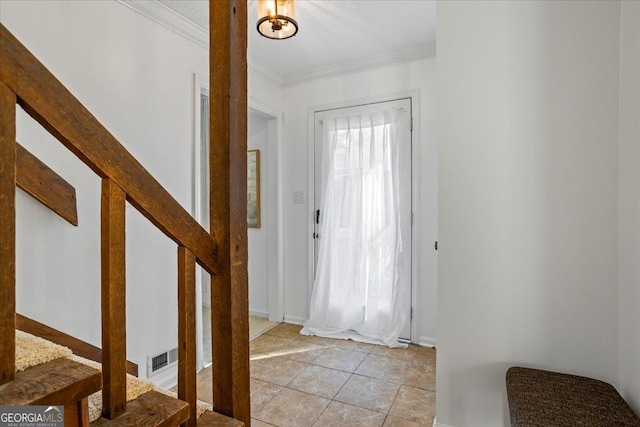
(257, 326)
(298, 380)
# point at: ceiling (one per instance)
(334, 32)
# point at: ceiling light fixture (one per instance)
(276, 19)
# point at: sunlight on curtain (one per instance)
(355, 293)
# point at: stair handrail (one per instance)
(45, 99)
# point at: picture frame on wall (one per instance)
(253, 188)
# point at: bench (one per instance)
(543, 398)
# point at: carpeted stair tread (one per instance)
(201, 406)
(48, 373)
(213, 419)
(135, 388)
(32, 351)
(57, 382)
(152, 409)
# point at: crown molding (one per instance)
(264, 71)
(169, 18)
(172, 20)
(410, 54)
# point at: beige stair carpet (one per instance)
(32, 351)
(135, 388)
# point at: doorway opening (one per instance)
(266, 293)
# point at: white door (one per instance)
(402, 108)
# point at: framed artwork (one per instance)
(253, 188)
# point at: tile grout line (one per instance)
(265, 405)
(400, 383)
(299, 391)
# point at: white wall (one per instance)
(258, 237)
(381, 82)
(528, 196)
(137, 79)
(265, 90)
(630, 204)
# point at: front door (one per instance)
(339, 174)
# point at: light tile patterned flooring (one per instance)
(257, 326)
(301, 381)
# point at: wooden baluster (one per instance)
(187, 331)
(228, 207)
(114, 339)
(7, 234)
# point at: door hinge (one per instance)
(411, 314)
(411, 123)
(412, 219)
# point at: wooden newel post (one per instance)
(7, 234)
(228, 207)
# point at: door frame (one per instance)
(414, 95)
(273, 208)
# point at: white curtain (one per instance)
(355, 293)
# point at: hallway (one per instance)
(300, 380)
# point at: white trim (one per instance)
(199, 85)
(436, 424)
(259, 313)
(294, 319)
(415, 211)
(170, 19)
(409, 54)
(263, 107)
(311, 166)
(414, 95)
(266, 72)
(427, 342)
(167, 381)
(162, 14)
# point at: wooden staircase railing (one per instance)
(223, 253)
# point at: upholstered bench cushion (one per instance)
(543, 398)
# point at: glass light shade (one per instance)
(276, 19)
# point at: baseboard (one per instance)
(436, 424)
(294, 319)
(427, 341)
(259, 313)
(166, 381)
